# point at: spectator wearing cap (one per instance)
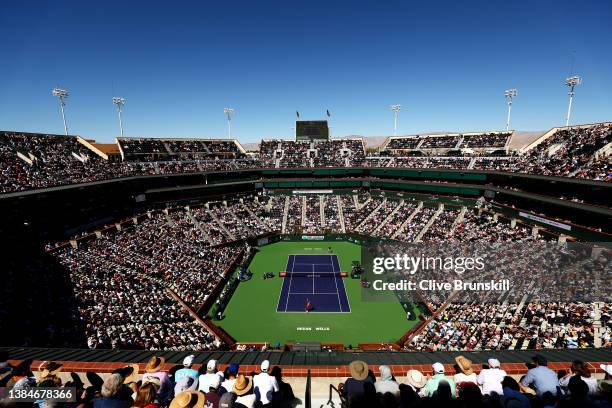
(230, 377)
(355, 386)
(111, 395)
(209, 377)
(153, 370)
(465, 371)
(187, 371)
(188, 399)
(213, 396)
(490, 379)
(541, 378)
(438, 378)
(243, 388)
(387, 383)
(416, 380)
(580, 369)
(265, 385)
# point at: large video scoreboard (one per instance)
(307, 130)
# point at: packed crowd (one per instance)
(31, 161)
(183, 386)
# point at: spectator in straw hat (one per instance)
(153, 370)
(416, 380)
(465, 371)
(438, 379)
(605, 385)
(355, 386)
(243, 388)
(188, 399)
(49, 371)
(490, 379)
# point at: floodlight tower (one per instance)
(228, 112)
(510, 93)
(62, 94)
(119, 101)
(571, 82)
(395, 108)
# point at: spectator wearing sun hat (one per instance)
(416, 380)
(186, 371)
(490, 379)
(354, 386)
(465, 371)
(431, 387)
(243, 388)
(605, 385)
(209, 377)
(265, 385)
(153, 370)
(188, 399)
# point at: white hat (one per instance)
(493, 363)
(188, 361)
(438, 368)
(607, 368)
(212, 365)
(265, 365)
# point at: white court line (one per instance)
(313, 279)
(290, 280)
(337, 290)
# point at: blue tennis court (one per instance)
(315, 279)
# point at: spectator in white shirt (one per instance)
(490, 379)
(207, 379)
(230, 378)
(465, 372)
(265, 385)
(387, 384)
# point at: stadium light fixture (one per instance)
(119, 101)
(510, 93)
(62, 94)
(228, 112)
(571, 82)
(395, 108)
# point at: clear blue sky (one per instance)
(179, 63)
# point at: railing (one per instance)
(330, 401)
(308, 392)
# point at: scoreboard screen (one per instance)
(307, 130)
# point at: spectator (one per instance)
(186, 371)
(243, 388)
(153, 370)
(209, 377)
(490, 379)
(465, 372)
(387, 383)
(416, 380)
(111, 395)
(213, 396)
(438, 378)
(188, 399)
(355, 386)
(605, 385)
(512, 397)
(230, 377)
(541, 378)
(265, 385)
(147, 396)
(579, 395)
(579, 369)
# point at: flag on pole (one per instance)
(297, 114)
(328, 114)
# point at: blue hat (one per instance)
(233, 368)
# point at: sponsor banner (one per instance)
(545, 221)
(313, 191)
(313, 237)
